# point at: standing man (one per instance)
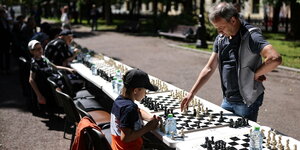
(237, 52)
(94, 16)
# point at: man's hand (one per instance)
(185, 102)
(260, 78)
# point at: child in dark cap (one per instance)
(126, 117)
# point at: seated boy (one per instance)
(126, 118)
(41, 69)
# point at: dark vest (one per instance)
(248, 63)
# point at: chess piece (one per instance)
(269, 139)
(295, 147)
(274, 143)
(262, 133)
(231, 123)
(279, 145)
(172, 135)
(182, 132)
(287, 146)
(206, 110)
(197, 113)
(221, 119)
(212, 140)
(210, 118)
(206, 142)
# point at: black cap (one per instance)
(136, 78)
(66, 32)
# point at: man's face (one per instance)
(226, 28)
(68, 39)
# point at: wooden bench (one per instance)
(187, 33)
(129, 26)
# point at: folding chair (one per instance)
(53, 88)
(96, 140)
(69, 88)
(71, 112)
(102, 118)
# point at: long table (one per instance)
(190, 138)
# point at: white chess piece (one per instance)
(182, 132)
(287, 146)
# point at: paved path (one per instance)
(281, 108)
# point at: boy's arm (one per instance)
(41, 99)
(62, 68)
(128, 135)
(70, 59)
(145, 115)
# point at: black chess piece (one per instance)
(186, 123)
(209, 146)
(231, 123)
(155, 106)
(195, 113)
(206, 142)
(212, 140)
(221, 119)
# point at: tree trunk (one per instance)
(132, 8)
(295, 20)
(188, 7)
(201, 31)
(155, 14)
(138, 10)
(108, 13)
(275, 21)
(168, 7)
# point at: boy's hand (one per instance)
(71, 70)
(153, 123)
(76, 51)
(41, 99)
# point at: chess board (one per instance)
(190, 123)
(240, 142)
(161, 100)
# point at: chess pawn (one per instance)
(210, 117)
(279, 145)
(262, 133)
(274, 143)
(295, 147)
(269, 139)
(287, 146)
(206, 110)
(202, 109)
(182, 132)
(197, 113)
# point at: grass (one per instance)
(289, 50)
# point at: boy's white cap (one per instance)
(32, 43)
